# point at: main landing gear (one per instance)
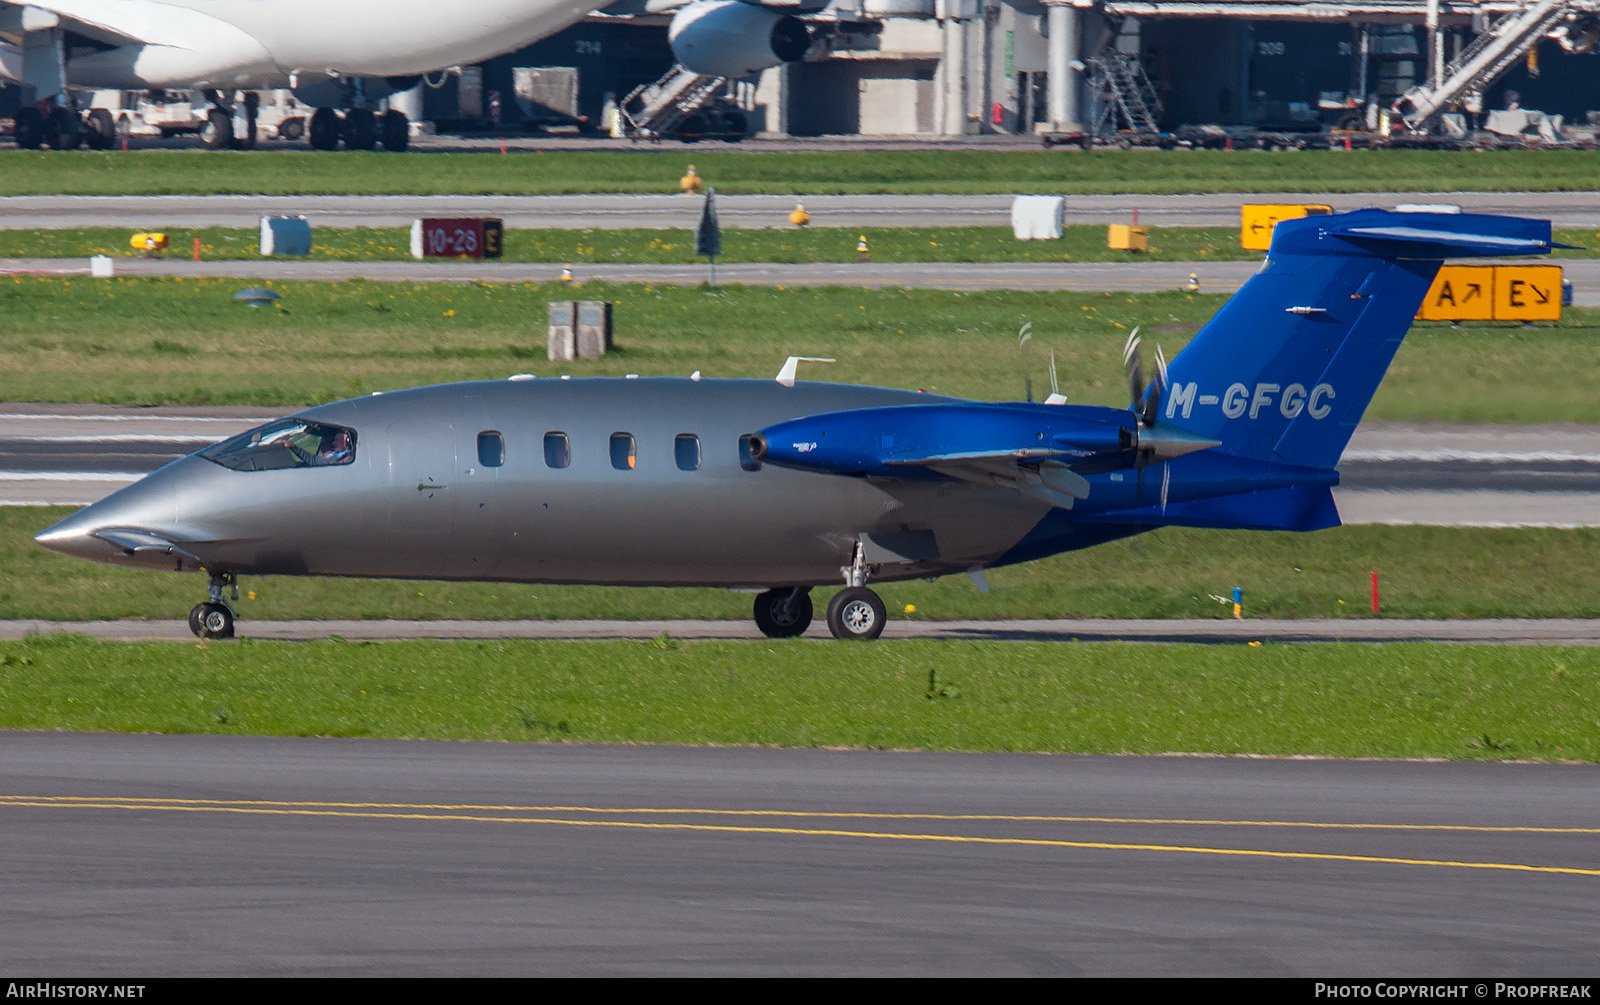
(855, 612)
(360, 129)
(214, 618)
(784, 613)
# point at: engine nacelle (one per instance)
(899, 440)
(729, 38)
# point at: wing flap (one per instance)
(1030, 471)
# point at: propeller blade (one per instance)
(1156, 392)
(1023, 335)
(1130, 360)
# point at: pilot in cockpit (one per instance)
(336, 448)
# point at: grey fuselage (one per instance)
(417, 503)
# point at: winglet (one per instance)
(786, 375)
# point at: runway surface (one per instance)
(1393, 472)
(1092, 277)
(1218, 631)
(675, 210)
(131, 856)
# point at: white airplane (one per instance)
(334, 54)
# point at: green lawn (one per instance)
(1452, 702)
(138, 340)
(749, 170)
(777, 244)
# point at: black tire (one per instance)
(694, 128)
(29, 129)
(735, 125)
(247, 141)
(394, 131)
(211, 621)
(325, 129)
(360, 129)
(64, 130)
(100, 129)
(291, 129)
(855, 612)
(217, 133)
(783, 613)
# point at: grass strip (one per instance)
(751, 169)
(1079, 243)
(1410, 701)
(1425, 572)
(675, 247)
(180, 341)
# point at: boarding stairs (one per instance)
(1127, 99)
(656, 109)
(1493, 52)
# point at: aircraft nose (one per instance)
(74, 536)
(132, 526)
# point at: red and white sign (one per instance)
(461, 237)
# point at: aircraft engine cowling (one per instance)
(910, 441)
(730, 38)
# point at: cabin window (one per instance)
(287, 443)
(557, 450)
(623, 453)
(687, 449)
(491, 449)
(747, 459)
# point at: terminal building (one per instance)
(954, 67)
(1091, 69)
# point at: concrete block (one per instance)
(563, 342)
(594, 328)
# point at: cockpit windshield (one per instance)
(287, 443)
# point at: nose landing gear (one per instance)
(214, 618)
(856, 612)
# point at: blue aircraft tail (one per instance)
(1285, 370)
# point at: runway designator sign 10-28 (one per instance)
(462, 237)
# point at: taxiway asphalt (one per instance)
(676, 210)
(1086, 277)
(130, 856)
